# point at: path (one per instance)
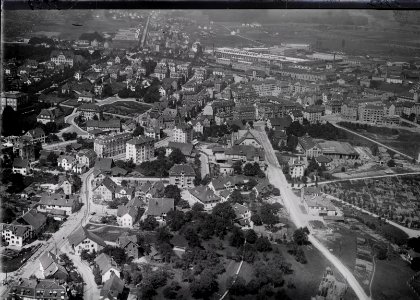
(143, 38)
(373, 141)
(410, 232)
(291, 202)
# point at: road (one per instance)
(373, 141)
(59, 241)
(73, 126)
(143, 38)
(291, 202)
(58, 145)
(410, 232)
(205, 169)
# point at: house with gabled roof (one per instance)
(86, 157)
(34, 288)
(130, 244)
(107, 266)
(37, 135)
(159, 207)
(182, 175)
(21, 166)
(205, 196)
(82, 239)
(243, 216)
(128, 215)
(307, 146)
(66, 162)
(106, 190)
(112, 289)
(50, 267)
(246, 137)
(58, 205)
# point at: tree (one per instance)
(50, 127)
(256, 219)
(67, 136)
(263, 244)
(236, 197)
(149, 223)
(237, 167)
(375, 150)
(97, 275)
(415, 264)
(107, 91)
(171, 291)
(391, 163)
(300, 236)
(10, 123)
(251, 236)
(204, 286)
(177, 157)
(175, 219)
(138, 131)
(237, 238)
(192, 237)
(69, 148)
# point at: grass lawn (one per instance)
(231, 266)
(127, 108)
(307, 277)
(10, 263)
(344, 247)
(246, 271)
(108, 233)
(390, 281)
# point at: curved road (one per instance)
(291, 202)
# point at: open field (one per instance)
(108, 233)
(390, 281)
(126, 108)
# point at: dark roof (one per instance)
(20, 163)
(179, 169)
(159, 206)
(33, 218)
(81, 234)
(140, 140)
(281, 122)
(103, 164)
(113, 287)
(105, 263)
(185, 148)
(204, 194)
(36, 133)
(306, 142)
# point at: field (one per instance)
(383, 288)
(125, 108)
(108, 233)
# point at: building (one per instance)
(130, 244)
(186, 149)
(106, 190)
(86, 157)
(205, 196)
(14, 99)
(50, 267)
(111, 145)
(183, 133)
(182, 175)
(34, 288)
(152, 132)
(244, 112)
(62, 57)
(349, 111)
(112, 289)
(66, 162)
(58, 205)
(307, 146)
(270, 87)
(317, 205)
(86, 96)
(159, 207)
(279, 123)
(21, 166)
(111, 125)
(313, 113)
(140, 149)
(82, 239)
(371, 113)
(89, 110)
(48, 115)
(36, 135)
(128, 215)
(246, 138)
(107, 266)
(23, 228)
(338, 150)
(243, 216)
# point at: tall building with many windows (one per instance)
(111, 145)
(140, 149)
(14, 99)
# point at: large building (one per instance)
(252, 56)
(34, 288)
(140, 149)
(371, 113)
(62, 57)
(313, 113)
(111, 145)
(270, 87)
(14, 99)
(183, 133)
(182, 175)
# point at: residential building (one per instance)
(21, 166)
(152, 132)
(107, 266)
(86, 96)
(313, 113)
(205, 196)
(50, 267)
(66, 162)
(130, 244)
(185, 148)
(36, 135)
(34, 288)
(111, 125)
(371, 113)
(243, 216)
(244, 112)
(82, 239)
(246, 138)
(105, 191)
(183, 133)
(111, 145)
(89, 111)
(14, 99)
(270, 87)
(58, 205)
(48, 115)
(24, 148)
(182, 175)
(159, 207)
(86, 157)
(349, 111)
(279, 123)
(128, 215)
(317, 205)
(140, 149)
(112, 289)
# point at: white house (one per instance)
(107, 266)
(205, 196)
(21, 166)
(66, 162)
(82, 239)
